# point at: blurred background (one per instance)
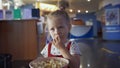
(95, 27)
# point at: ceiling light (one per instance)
(71, 10)
(86, 11)
(88, 0)
(78, 11)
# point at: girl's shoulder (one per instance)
(73, 42)
(74, 48)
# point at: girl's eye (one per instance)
(61, 27)
(52, 29)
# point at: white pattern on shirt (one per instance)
(74, 49)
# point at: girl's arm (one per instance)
(73, 59)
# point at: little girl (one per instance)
(58, 23)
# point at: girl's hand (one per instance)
(57, 42)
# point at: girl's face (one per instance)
(58, 27)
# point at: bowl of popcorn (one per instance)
(49, 62)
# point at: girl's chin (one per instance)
(62, 38)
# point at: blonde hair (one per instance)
(59, 14)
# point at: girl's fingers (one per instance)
(53, 43)
(56, 39)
